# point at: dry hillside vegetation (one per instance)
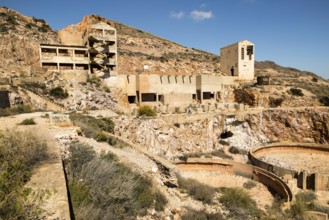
(20, 38)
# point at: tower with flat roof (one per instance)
(238, 60)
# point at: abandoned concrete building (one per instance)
(98, 55)
(172, 93)
(238, 60)
(101, 41)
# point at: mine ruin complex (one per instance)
(168, 93)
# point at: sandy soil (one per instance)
(216, 179)
(299, 161)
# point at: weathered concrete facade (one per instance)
(313, 181)
(169, 93)
(227, 166)
(98, 54)
(101, 41)
(238, 60)
(173, 93)
(61, 57)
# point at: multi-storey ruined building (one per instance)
(101, 41)
(98, 54)
(61, 57)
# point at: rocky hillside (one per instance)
(172, 141)
(20, 38)
(137, 48)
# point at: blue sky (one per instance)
(293, 33)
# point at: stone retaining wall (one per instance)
(268, 179)
(314, 181)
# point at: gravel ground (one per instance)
(299, 161)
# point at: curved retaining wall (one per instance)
(268, 179)
(312, 181)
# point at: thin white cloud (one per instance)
(177, 15)
(204, 5)
(201, 15)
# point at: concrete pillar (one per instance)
(304, 180)
(316, 181)
(73, 56)
(57, 56)
(40, 52)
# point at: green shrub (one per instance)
(28, 26)
(92, 127)
(18, 109)
(244, 96)
(80, 154)
(239, 203)
(196, 189)
(275, 102)
(236, 150)
(249, 184)
(147, 111)
(38, 20)
(11, 19)
(201, 215)
(36, 87)
(101, 137)
(236, 197)
(3, 29)
(44, 28)
(296, 92)
(314, 79)
(58, 92)
(306, 197)
(324, 100)
(298, 209)
(94, 81)
(28, 121)
(220, 153)
(115, 142)
(20, 152)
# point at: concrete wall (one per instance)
(268, 179)
(314, 181)
(246, 65)
(218, 86)
(169, 89)
(177, 100)
(165, 84)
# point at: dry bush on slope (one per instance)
(103, 188)
(19, 153)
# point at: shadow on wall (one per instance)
(4, 99)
